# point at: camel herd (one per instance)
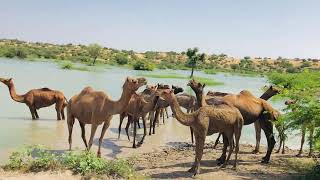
(206, 114)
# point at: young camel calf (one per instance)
(206, 121)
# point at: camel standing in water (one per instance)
(96, 107)
(207, 121)
(38, 98)
(251, 108)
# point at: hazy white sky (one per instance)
(288, 28)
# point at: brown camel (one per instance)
(96, 107)
(304, 127)
(38, 98)
(251, 109)
(271, 91)
(139, 106)
(206, 121)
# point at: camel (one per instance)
(304, 127)
(251, 109)
(139, 106)
(96, 107)
(271, 91)
(38, 98)
(206, 121)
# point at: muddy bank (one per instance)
(173, 163)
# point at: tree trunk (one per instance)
(192, 72)
(94, 60)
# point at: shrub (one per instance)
(143, 65)
(121, 59)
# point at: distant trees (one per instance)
(94, 51)
(194, 58)
(143, 65)
(121, 59)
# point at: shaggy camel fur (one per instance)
(251, 109)
(38, 98)
(139, 106)
(96, 107)
(304, 127)
(206, 121)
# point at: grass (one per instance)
(85, 163)
(307, 168)
(70, 66)
(207, 81)
(232, 72)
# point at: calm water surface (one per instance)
(18, 129)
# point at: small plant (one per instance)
(37, 158)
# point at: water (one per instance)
(18, 129)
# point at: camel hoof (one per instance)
(277, 151)
(223, 166)
(264, 161)
(282, 152)
(234, 168)
(99, 155)
(134, 146)
(299, 155)
(191, 170)
(255, 151)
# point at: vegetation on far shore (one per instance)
(38, 158)
(149, 60)
(207, 81)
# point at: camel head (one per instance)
(196, 86)
(273, 90)
(177, 89)
(163, 86)
(166, 94)
(151, 88)
(7, 82)
(290, 101)
(133, 84)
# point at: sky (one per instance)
(256, 28)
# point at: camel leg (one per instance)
(222, 158)
(230, 139)
(58, 109)
(127, 128)
(163, 111)
(200, 139)
(156, 117)
(217, 141)
(303, 130)
(166, 110)
(257, 128)
(92, 133)
(62, 114)
(237, 134)
(267, 127)
(70, 122)
(36, 113)
(311, 129)
(144, 131)
(83, 133)
(32, 111)
(191, 132)
(151, 117)
(103, 131)
(122, 115)
(134, 132)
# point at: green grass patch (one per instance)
(70, 66)
(38, 158)
(207, 81)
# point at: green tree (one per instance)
(94, 51)
(194, 58)
(121, 59)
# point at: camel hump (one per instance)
(46, 89)
(86, 90)
(246, 92)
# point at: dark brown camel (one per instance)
(251, 109)
(38, 98)
(207, 121)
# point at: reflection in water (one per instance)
(17, 128)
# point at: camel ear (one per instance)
(127, 79)
(171, 91)
(10, 79)
(204, 85)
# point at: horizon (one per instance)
(248, 28)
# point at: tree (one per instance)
(94, 51)
(194, 58)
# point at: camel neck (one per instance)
(14, 95)
(200, 99)
(151, 102)
(267, 95)
(183, 118)
(117, 107)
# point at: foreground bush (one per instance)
(36, 158)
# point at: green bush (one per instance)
(37, 158)
(121, 59)
(143, 65)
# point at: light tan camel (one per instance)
(251, 108)
(96, 107)
(139, 106)
(207, 121)
(38, 98)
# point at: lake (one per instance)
(19, 129)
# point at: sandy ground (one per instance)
(173, 163)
